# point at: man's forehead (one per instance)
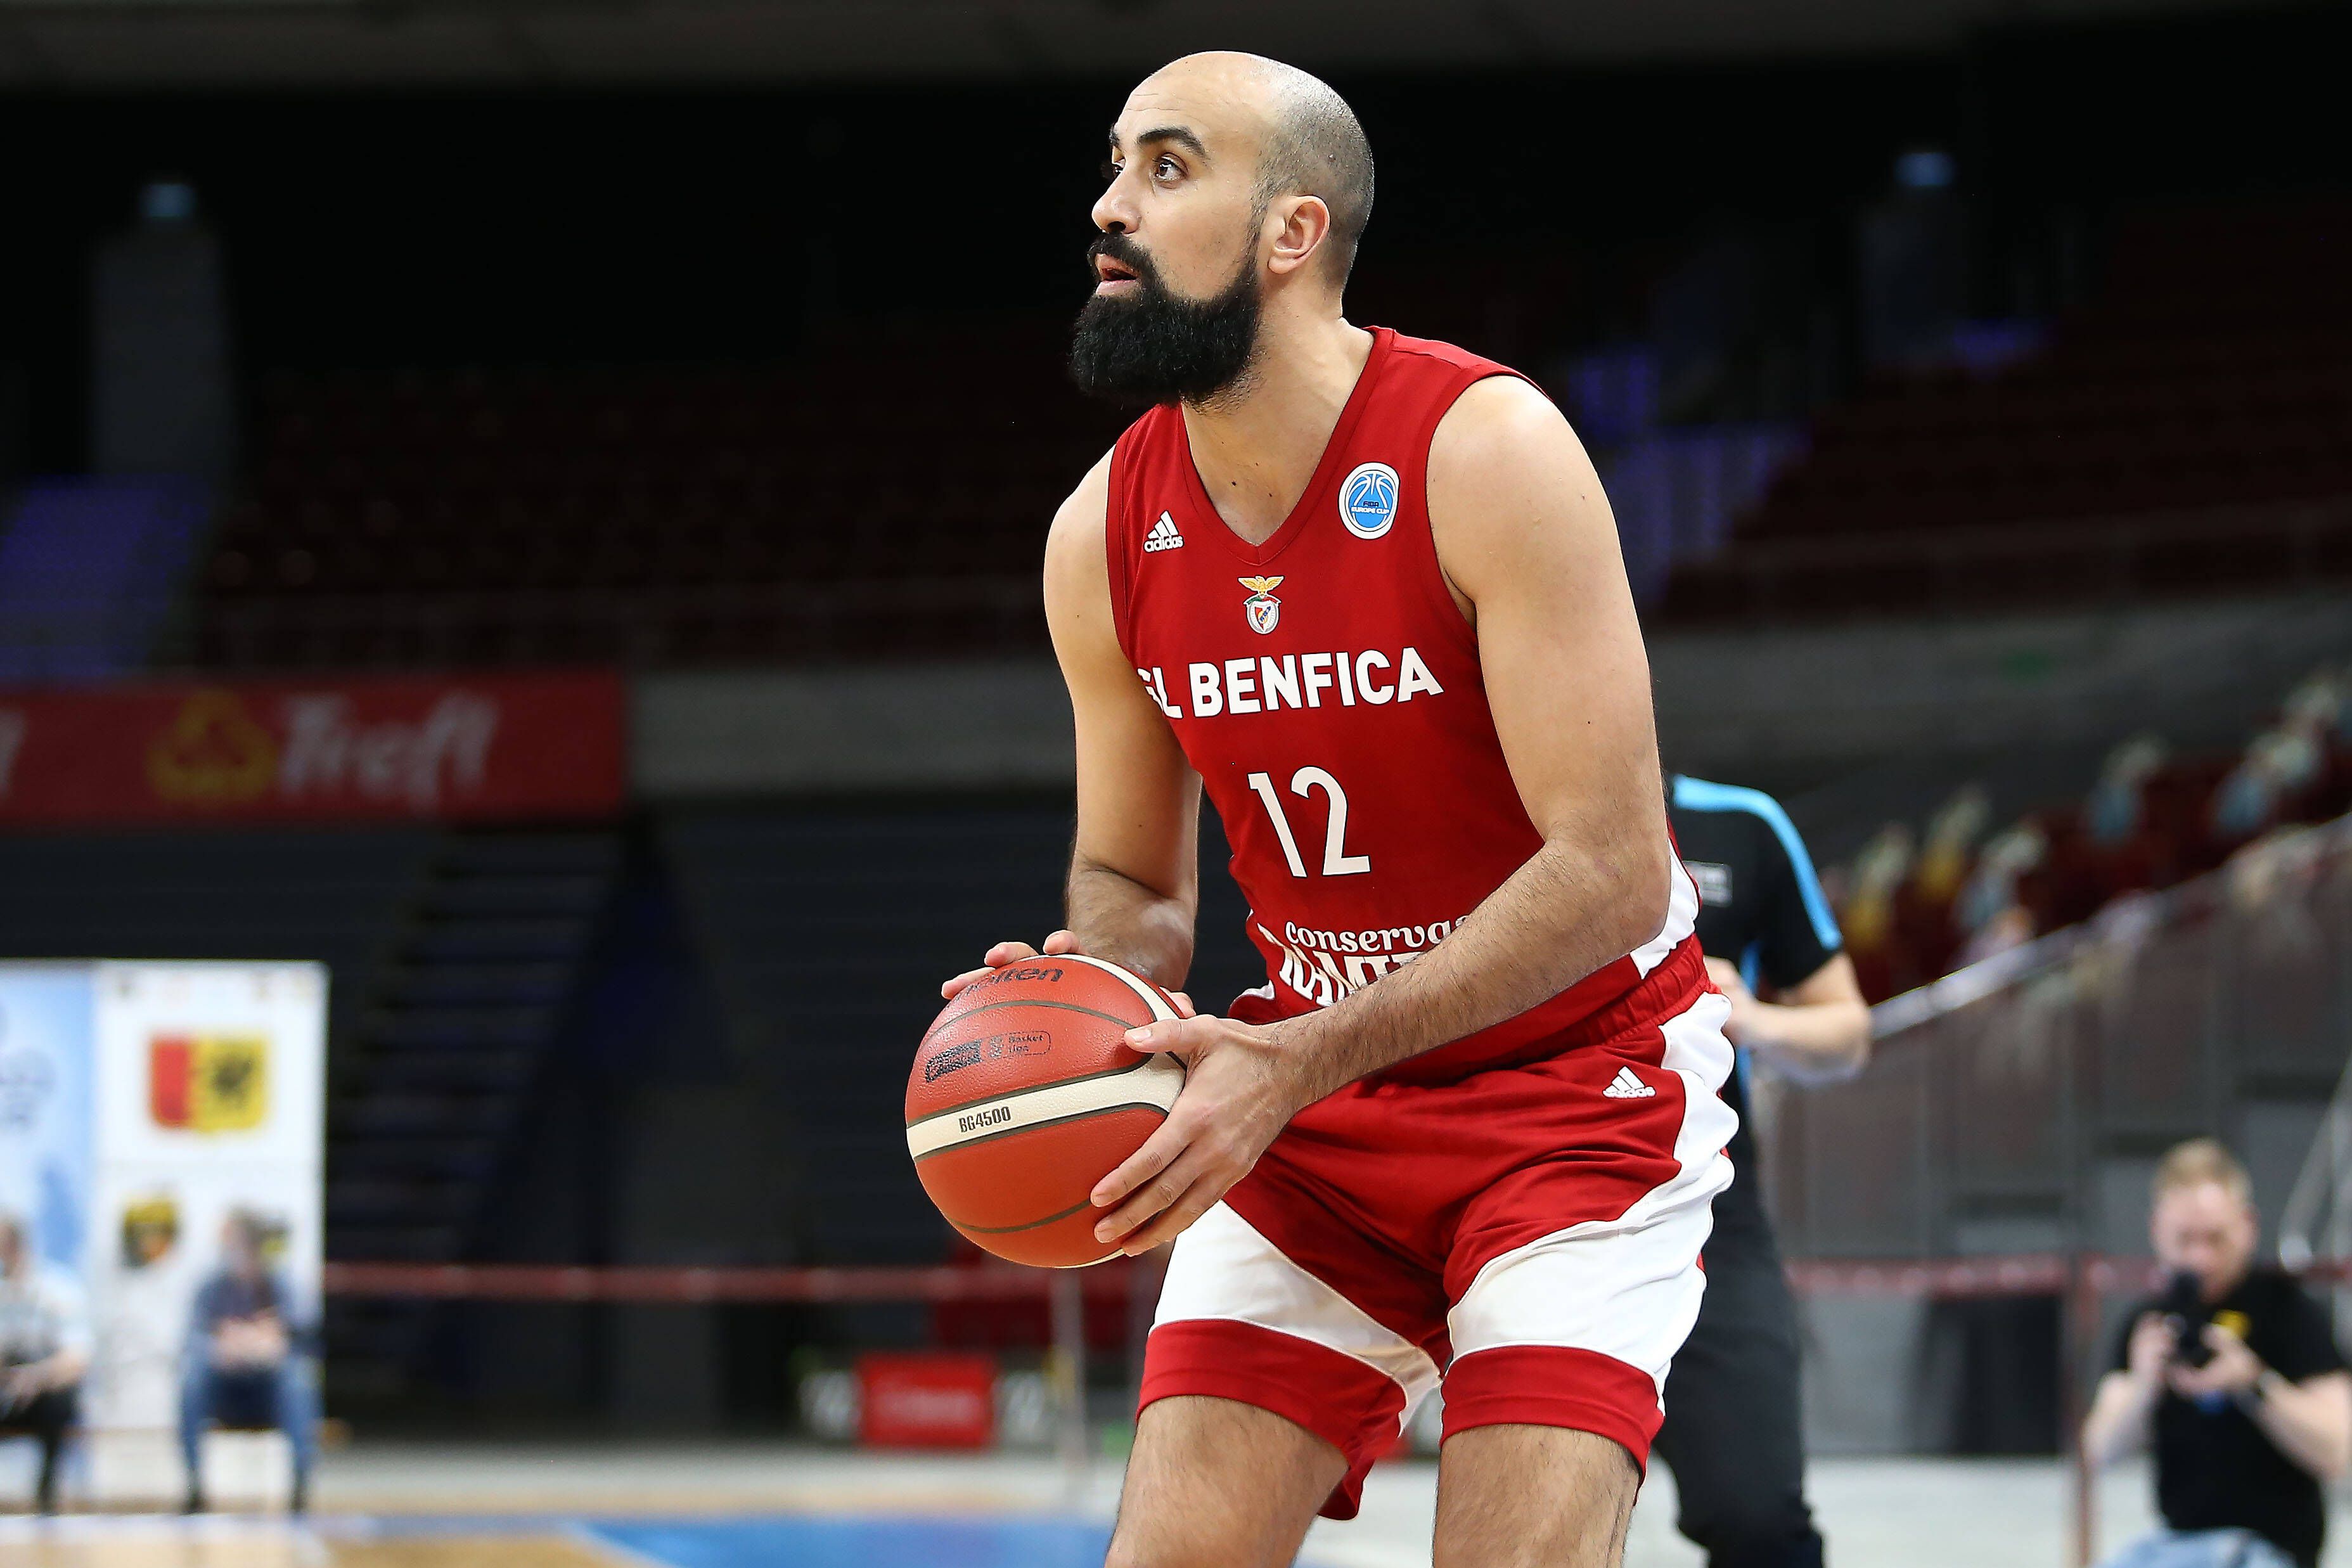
(2205, 1201)
(1215, 113)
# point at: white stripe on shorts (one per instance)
(1223, 1268)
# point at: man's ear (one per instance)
(1296, 226)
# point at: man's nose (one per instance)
(1113, 212)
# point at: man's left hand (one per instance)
(2233, 1369)
(1241, 1088)
(1744, 1003)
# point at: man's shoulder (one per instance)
(1434, 352)
(2267, 1285)
(1733, 810)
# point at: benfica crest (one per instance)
(1264, 608)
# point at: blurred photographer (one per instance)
(2234, 1373)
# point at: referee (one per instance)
(1732, 1434)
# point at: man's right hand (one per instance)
(1006, 954)
(2151, 1348)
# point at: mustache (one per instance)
(1122, 248)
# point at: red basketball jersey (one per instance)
(1327, 690)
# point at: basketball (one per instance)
(1025, 1093)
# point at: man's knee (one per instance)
(1508, 1495)
(1216, 1484)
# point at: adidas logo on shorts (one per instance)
(1625, 1086)
(1163, 535)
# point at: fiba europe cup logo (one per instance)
(1368, 501)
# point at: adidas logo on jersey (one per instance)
(1625, 1086)
(1163, 535)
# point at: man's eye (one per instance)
(1110, 170)
(1166, 168)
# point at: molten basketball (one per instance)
(1025, 1094)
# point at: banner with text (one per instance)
(535, 744)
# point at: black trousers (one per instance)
(46, 1417)
(1733, 1434)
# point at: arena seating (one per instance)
(90, 572)
(877, 497)
(828, 933)
(2188, 429)
(335, 896)
(2177, 820)
(427, 1094)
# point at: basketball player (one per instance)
(1366, 589)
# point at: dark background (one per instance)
(1523, 213)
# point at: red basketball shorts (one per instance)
(1529, 1236)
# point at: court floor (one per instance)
(761, 1542)
(775, 1506)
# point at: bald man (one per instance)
(1365, 589)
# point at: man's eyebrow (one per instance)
(1176, 134)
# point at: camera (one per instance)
(2184, 1308)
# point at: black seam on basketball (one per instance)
(1029, 1088)
(1068, 1007)
(1012, 1229)
(1036, 1126)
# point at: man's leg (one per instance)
(50, 1415)
(1541, 1497)
(1562, 1340)
(1733, 1436)
(298, 1417)
(195, 1409)
(1214, 1483)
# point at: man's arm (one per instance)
(1525, 540)
(1134, 883)
(2123, 1411)
(64, 1366)
(2117, 1425)
(1818, 1031)
(2309, 1421)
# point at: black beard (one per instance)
(1155, 346)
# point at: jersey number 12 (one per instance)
(1336, 861)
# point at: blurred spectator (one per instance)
(2316, 707)
(2234, 1375)
(1869, 914)
(1988, 913)
(45, 1345)
(2279, 765)
(245, 1365)
(2116, 809)
(1952, 836)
